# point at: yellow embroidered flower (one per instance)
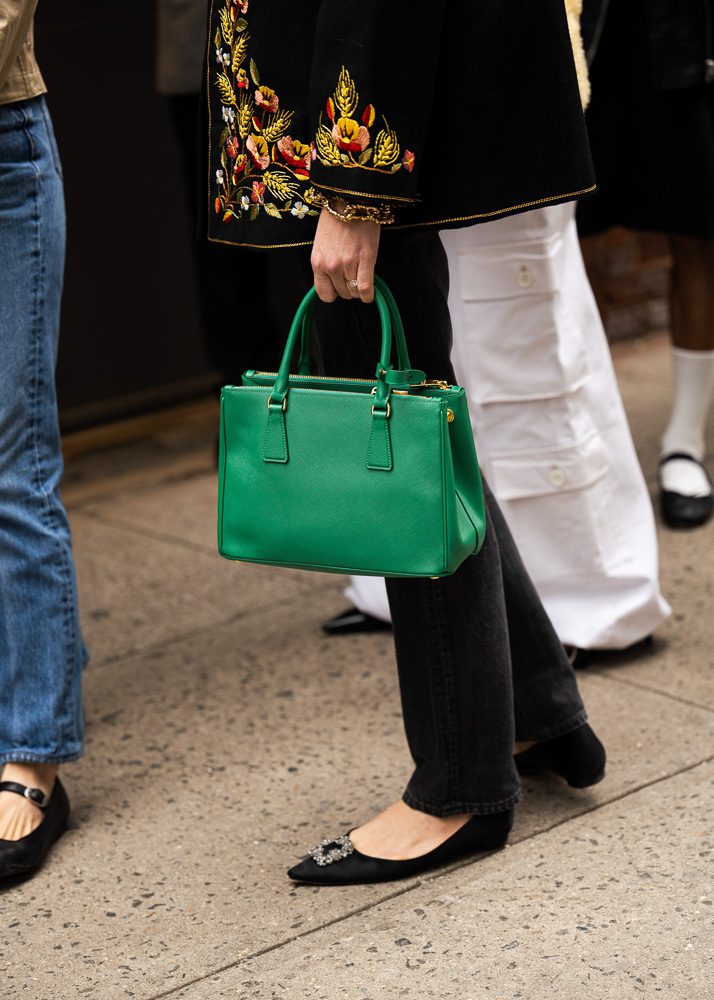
(350, 135)
(258, 151)
(239, 166)
(297, 154)
(267, 99)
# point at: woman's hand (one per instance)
(343, 258)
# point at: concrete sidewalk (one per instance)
(226, 735)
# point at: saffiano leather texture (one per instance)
(346, 475)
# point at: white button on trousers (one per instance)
(551, 431)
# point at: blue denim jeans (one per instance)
(41, 650)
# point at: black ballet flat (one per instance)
(338, 862)
(578, 756)
(681, 511)
(353, 620)
(18, 857)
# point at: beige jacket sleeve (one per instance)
(574, 9)
(19, 74)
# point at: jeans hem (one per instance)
(454, 808)
(553, 732)
(28, 757)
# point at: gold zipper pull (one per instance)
(433, 383)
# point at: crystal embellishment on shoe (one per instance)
(340, 848)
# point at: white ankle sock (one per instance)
(693, 386)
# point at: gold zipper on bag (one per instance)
(430, 383)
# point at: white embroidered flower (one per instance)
(227, 58)
(299, 210)
(219, 57)
(229, 115)
(245, 203)
(219, 177)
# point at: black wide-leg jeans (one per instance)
(480, 665)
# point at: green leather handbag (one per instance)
(370, 477)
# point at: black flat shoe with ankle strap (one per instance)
(17, 857)
(338, 862)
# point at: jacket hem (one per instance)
(365, 194)
(522, 207)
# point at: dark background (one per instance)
(130, 327)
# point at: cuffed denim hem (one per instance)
(454, 808)
(28, 757)
(552, 732)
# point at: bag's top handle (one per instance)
(397, 331)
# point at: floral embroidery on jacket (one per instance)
(262, 167)
(347, 141)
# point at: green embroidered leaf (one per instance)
(225, 89)
(241, 24)
(364, 158)
(224, 161)
(254, 212)
(224, 137)
(254, 74)
(217, 38)
(312, 212)
(273, 210)
(397, 166)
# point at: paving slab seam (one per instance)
(155, 536)
(418, 883)
(606, 674)
(112, 661)
(146, 486)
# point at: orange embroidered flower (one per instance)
(239, 167)
(297, 154)
(241, 5)
(242, 79)
(232, 147)
(258, 151)
(258, 193)
(350, 135)
(217, 206)
(267, 99)
(408, 160)
(369, 115)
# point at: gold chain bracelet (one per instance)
(347, 212)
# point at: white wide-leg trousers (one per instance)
(551, 431)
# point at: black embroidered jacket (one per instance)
(453, 111)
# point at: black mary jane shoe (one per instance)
(18, 857)
(578, 756)
(679, 510)
(353, 620)
(338, 862)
